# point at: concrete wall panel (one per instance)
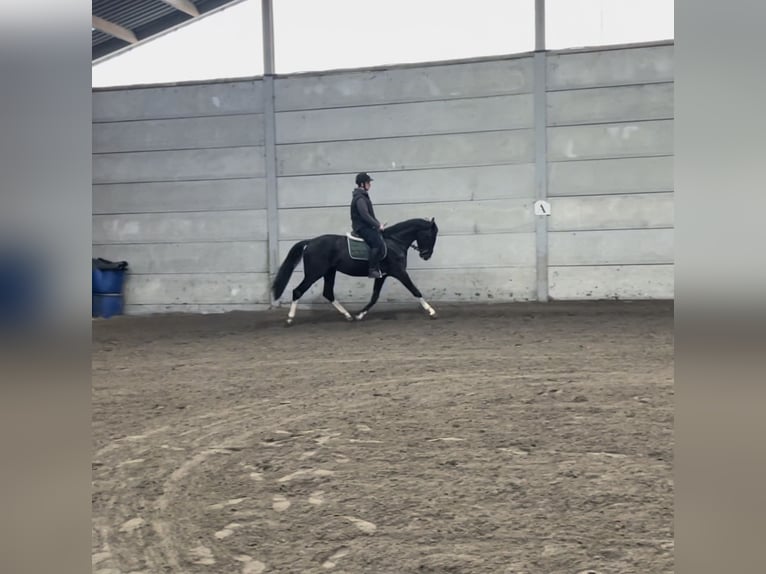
(569, 143)
(612, 282)
(179, 196)
(619, 104)
(611, 176)
(211, 99)
(180, 227)
(616, 247)
(407, 153)
(426, 186)
(197, 289)
(654, 210)
(240, 162)
(184, 133)
(162, 258)
(437, 117)
(405, 84)
(610, 67)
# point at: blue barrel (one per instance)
(107, 305)
(108, 277)
(107, 282)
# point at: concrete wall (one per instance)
(179, 192)
(610, 173)
(454, 142)
(180, 177)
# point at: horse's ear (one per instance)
(432, 220)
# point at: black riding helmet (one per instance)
(362, 178)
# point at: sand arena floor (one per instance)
(506, 439)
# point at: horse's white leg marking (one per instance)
(342, 310)
(361, 315)
(291, 313)
(427, 307)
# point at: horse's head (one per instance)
(426, 239)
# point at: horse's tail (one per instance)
(287, 268)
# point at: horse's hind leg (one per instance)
(374, 299)
(298, 292)
(329, 294)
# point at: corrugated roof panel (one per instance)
(127, 14)
(138, 19)
(97, 36)
(146, 18)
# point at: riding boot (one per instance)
(374, 272)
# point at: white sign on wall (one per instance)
(542, 207)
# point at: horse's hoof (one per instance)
(433, 316)
(350, 319)
(289, 323)
(361, 316)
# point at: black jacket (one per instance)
(362, 213)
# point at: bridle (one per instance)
(416, 247)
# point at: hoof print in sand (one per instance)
(280, 503)
(363, 525)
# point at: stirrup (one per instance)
(374, 274)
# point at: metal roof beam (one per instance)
(114, 30)
(184, 6)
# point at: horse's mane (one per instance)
(402, 225)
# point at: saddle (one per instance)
(358, 248)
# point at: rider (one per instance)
(365, 225)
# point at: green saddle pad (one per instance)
(360, 251)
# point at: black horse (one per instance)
(325, 255)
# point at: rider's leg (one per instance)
(375, 242)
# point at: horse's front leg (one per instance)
(404, 278)
(374, 299)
